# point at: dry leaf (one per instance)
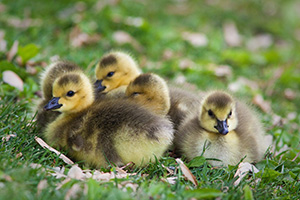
(291, 116)
(195, 39)
(58, 172)
(171, 180)
(3, 43)
(13, 79)
(223, 71)
(231, 34)
(59, 185)
(289, 94)
(7, 177)
(262, 104)
(42, 185)
(103, 3)
(122, 37)
(180, 79)
(35, 165)
(6, 138)
(242, 82)
(242, 171)
(61, 156)
(186, 172)
(168, 54)
(259, 42)
(186, 63)
(2, 7)
(13, 50)
(78, 38)
(19, 155)
(128, 184)
(134, 21)
(23, 23)
(170, 171)
(271, 83)
(72, 192)
(76, 173)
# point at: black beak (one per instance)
(98, 85)
(53, 104)
(222, 127)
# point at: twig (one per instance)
(61, 156)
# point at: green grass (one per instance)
(162, 24)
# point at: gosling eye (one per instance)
(110, 74)
(70, 93)
(134, 94)
(230, 113)
(210, 113)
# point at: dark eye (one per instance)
(134, 94)
(110, 74)
(210, 113)
(229, 115)
(70, 93)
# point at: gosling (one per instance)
(102, 132)
(225, 129)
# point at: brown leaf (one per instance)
(171, 180)
(243, 170)
(134, 21)
(13, 50)
(128, 184)
(170, 171)
(223, 71)
(168, 54)
(231, 34)
(261, 41)
(59, 185)
(58, 172)
(19, 155)
(35, 165)
(76, 173)
(3, 43)
(7, 177)
(13, 79)
(195, 39)
(186, 63)
(73, 191)
(271, 82)
(42, 185)
(186, 172)
(289, 94)
(23, 23)
(6, 138)
(78, 38)
(61, 156)
(122, 37)
(262, 104)
(242, 82)
(2, 7)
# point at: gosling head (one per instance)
(114, 70)
(218, 113)
(72, 93)
(150, 91)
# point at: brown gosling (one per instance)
(150, 91)
(53, 71)
(224, 129)
(115, 70)
(100, 132)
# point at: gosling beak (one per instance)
(222, 127)
(98, 85)
(53, 104)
